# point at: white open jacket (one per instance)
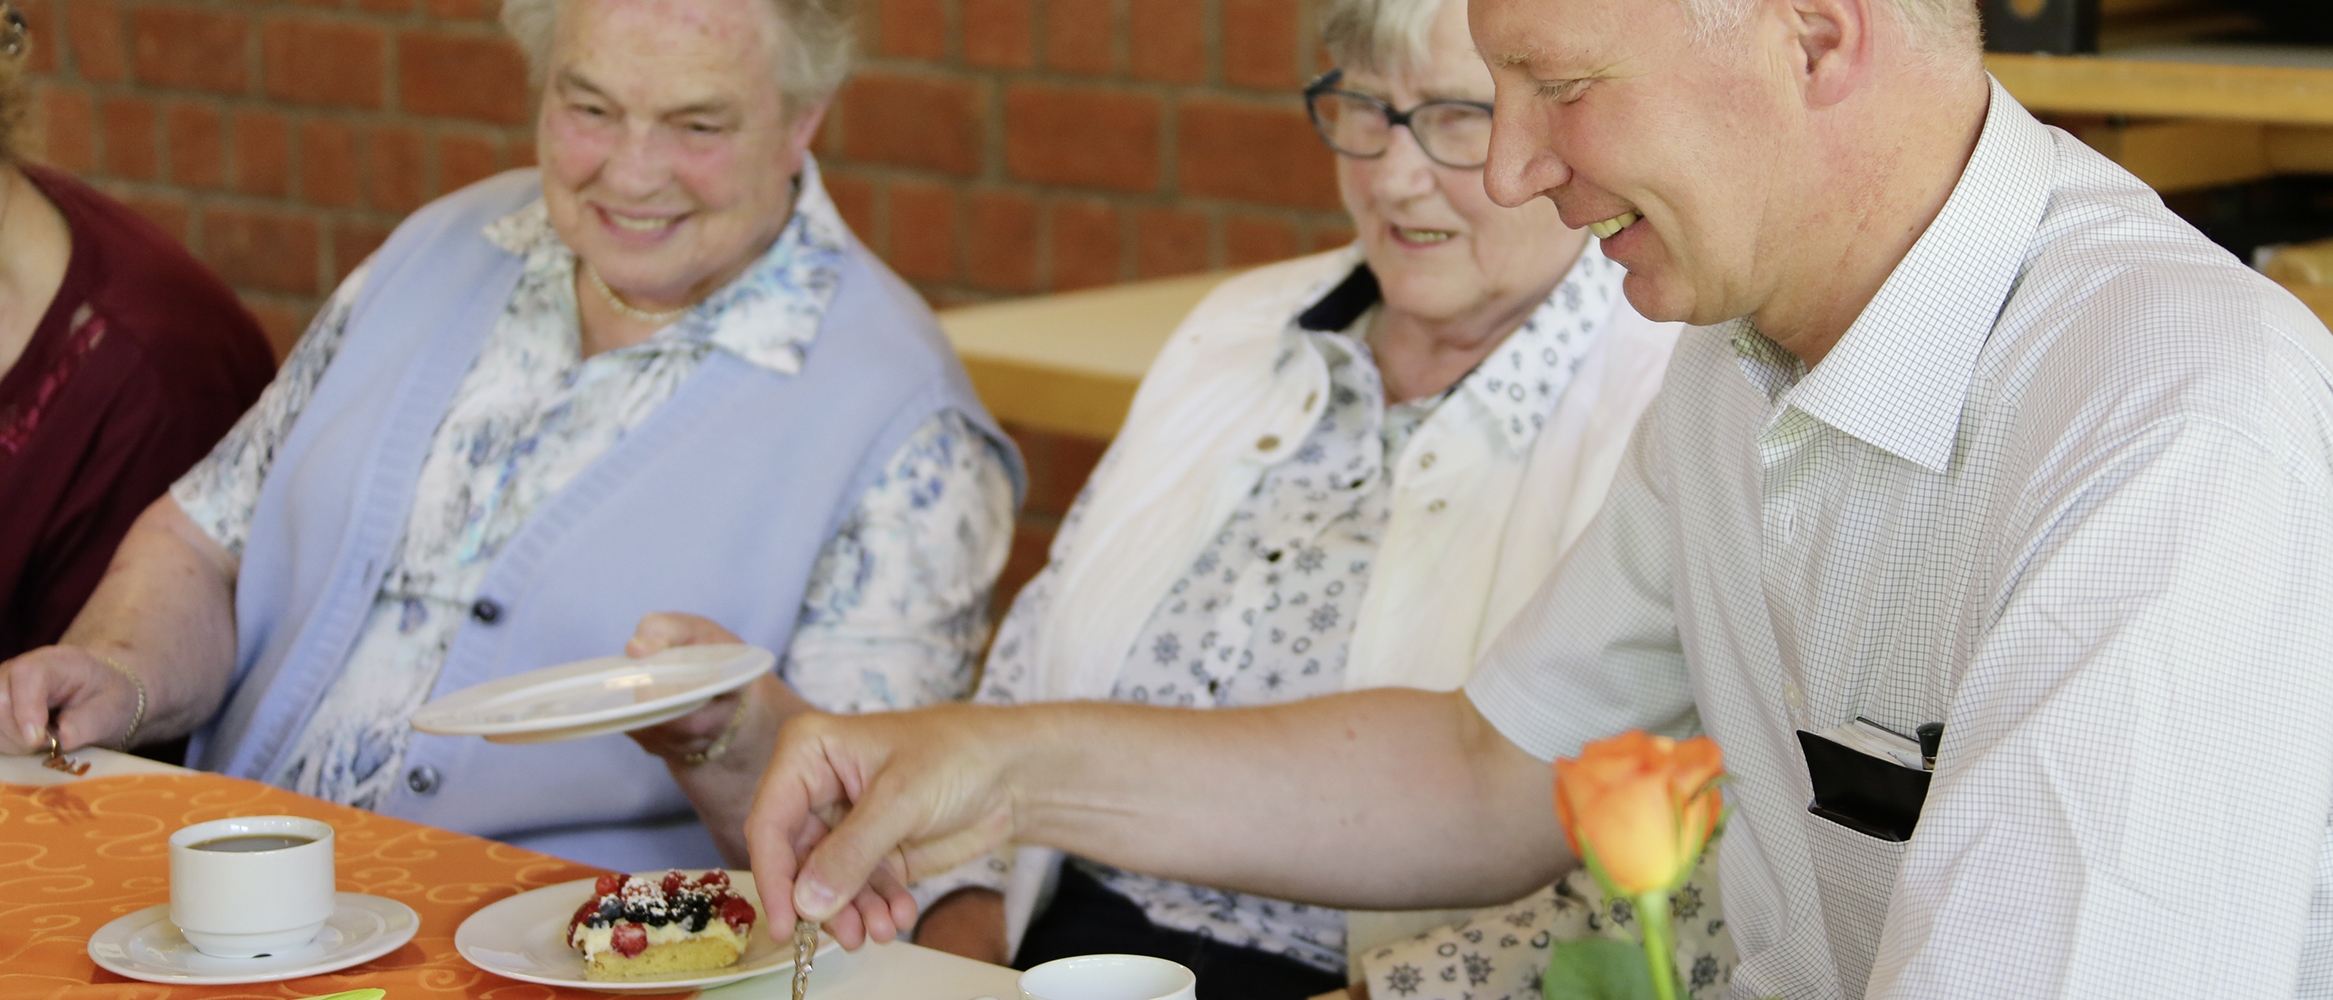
(1473, 530)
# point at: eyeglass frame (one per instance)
(1326, 83)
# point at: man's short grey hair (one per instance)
(1931, 23)
(814, 49)
(1391, 36)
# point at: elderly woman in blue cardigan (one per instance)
(658, 374)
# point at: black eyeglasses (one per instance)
(1455, 134)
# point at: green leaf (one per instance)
(1597, 969)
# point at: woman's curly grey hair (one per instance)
(1386, 37)
(814, 54)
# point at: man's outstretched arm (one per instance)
(1381, 799)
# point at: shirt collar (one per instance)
(1519, 384)
(767, 315)
(1523, 381)
(1899, 377)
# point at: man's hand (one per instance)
(967, 922)
(1285, 801)
(851, 809)
(94, 703)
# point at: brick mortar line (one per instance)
(161, 95)
(362, 122)
(1217, 214)
(924, 69)
(395, 28)
(1211, 208)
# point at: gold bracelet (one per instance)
(137, 718)
(720, 744)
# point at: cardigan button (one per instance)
(486, 611)
(423, 780)
(1436, 507)
(1427, 461)
(1268, 442)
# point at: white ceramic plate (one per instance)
(525, 938)
(146, 945)
(612, 694)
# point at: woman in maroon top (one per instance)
(121, 361)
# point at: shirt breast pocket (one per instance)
(1855, 873)
(1860, 823)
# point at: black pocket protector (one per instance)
(1869, 795)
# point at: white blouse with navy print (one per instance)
(1264, 613)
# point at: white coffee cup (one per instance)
(252, 885)
(1109, 977)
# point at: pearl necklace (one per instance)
(628, 309)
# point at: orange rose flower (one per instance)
(1642, 806)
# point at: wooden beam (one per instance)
(2176, 156)
(2095, 85)
(2294, 149)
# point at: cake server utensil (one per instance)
(805, 945)
(57, 761)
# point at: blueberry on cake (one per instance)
(636, 926)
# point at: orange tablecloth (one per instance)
(75, 856)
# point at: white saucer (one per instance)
(612, 694)
(525, 938)
(146, 945)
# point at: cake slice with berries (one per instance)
(638, 926)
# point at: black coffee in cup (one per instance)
(249, 843)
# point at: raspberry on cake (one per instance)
(636, 926)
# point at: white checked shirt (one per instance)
(2065, 486)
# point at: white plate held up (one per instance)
(612, 694)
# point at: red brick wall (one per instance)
(279, 140)
(986, 147)
(1009, 146)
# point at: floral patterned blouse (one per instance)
(896, 609)
(1501, 953)
(1266, 610)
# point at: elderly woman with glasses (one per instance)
(657, 374)
(1344, 471)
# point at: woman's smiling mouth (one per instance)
(1407, 236)
(642, 224)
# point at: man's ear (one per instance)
(1835, 39)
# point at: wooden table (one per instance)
(76, 853)
(1069, 363)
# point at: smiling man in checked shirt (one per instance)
(1977, 433)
